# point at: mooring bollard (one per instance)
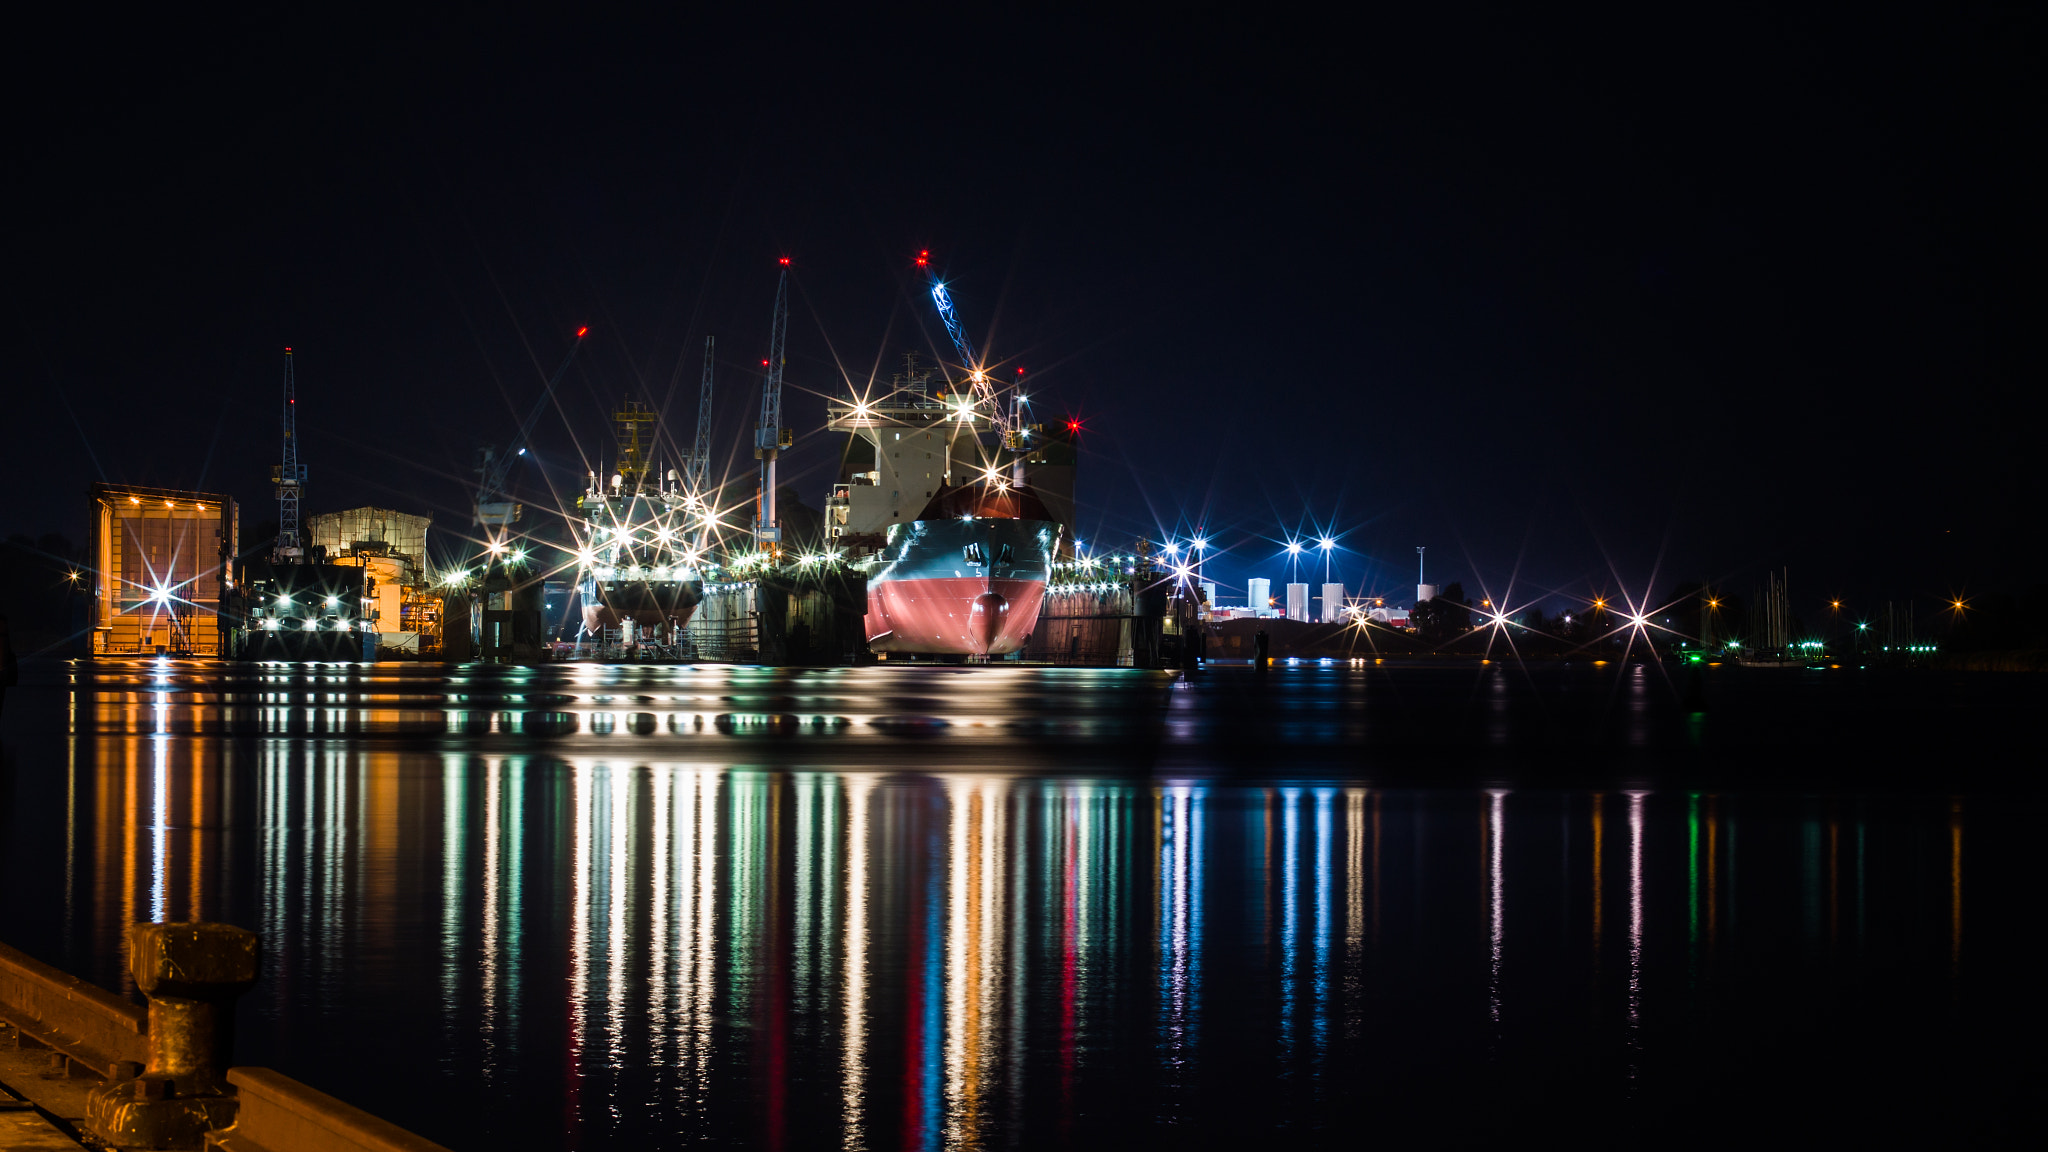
(192, 974)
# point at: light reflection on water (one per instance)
(616, 945)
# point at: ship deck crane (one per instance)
(1008, 425)
(494, 505)
(770, 437)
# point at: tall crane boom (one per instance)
(700, 457)
(770, 437)
(494, 504)
(984, 388)
(289, 475)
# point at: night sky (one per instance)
(1588, 304)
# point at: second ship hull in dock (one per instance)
(966, 578)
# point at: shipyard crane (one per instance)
(494, 505)
(290, 475)
(1008, 425)
(770, 437)
(700, 458)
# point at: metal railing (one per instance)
(163, 1083)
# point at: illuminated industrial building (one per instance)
(390, 547)
(161, 570)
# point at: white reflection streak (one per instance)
(804, 944)
(621, 827)
(658, 1006)
(493, 851)
(959, 886)
(1496, 827)
(336, 838)
(1175, 864)
(452, 797)
(276, 829)
(1635, 929)
(159, 806)
(707, 912)
(988, 960)
(579, 917)
(853, 1070)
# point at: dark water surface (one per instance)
(920, 908)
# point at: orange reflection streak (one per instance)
(199, 819)
(1955, 885)
(1599, 832)
(988, 967)
(966, 962)
(129, 823)
(1713, 871)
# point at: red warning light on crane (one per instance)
(580, 331)
(764, 363)
(923, 258)
(1073, 425)
(287, 351)
(785, 261)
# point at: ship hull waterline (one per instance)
(960, 587)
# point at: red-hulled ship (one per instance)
(966, 577)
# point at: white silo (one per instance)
(1297, 602)
(1333, 603)
(1257, 591)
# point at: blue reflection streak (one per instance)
(1321, 1024)
(1198, 802)
(1290, 828)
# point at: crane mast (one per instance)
(290, 475)
(770, 437)
(700, 457)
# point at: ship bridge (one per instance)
(907, 444)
